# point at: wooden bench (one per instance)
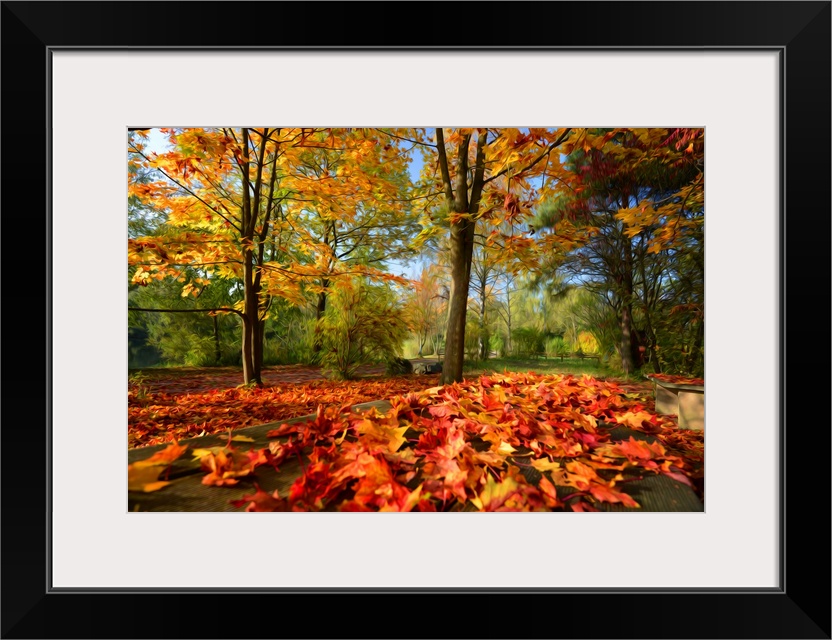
(581, 356)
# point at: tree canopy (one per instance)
(262, 226)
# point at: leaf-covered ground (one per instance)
(463, 446)
(172, 405)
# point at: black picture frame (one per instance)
(799, 608)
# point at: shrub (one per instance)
(472, 341)
(527, 341)
(586, 343)
(362, 324)
(290, 343)
(398, 367)
(556, 347)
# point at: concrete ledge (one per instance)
(686, 401)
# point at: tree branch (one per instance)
(443, 166)
(392, 135)
(545, 153)
(189, 192)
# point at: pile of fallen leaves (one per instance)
(467, 446)
(156, 417)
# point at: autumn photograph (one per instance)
(426, 319)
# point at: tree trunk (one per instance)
(251, 372)
(462, 244)
(649, 289)
(319, 313)
(483, 335)
(651, 343)
(626, 319)
(696, 348)
(259, 345)
(508, 321)
(461, 250)
(252, 355)
(217, 351)
(626, 343)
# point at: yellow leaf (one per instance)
(505, 448)
(545, 465)
(634, 419)
(144, 478)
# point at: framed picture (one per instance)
(756, 75)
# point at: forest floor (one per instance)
(183, 402)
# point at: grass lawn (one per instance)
(575, 366)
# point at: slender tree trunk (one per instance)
(626, 342)
(696, 348)
(508, 320)
(649, 289)
(319, 313)
(217, 351)
(259, 346)
(483, 335)
(654, 355)
(626, 292)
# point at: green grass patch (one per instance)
(574, 366)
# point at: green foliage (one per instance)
(181, 338)
(289, 335)
(556, 347)
(527, 341)
(472, 340)
(139, 352)
(497, 344)
(398, 367)
(185, 347)
(363, 324)
(410, 348)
